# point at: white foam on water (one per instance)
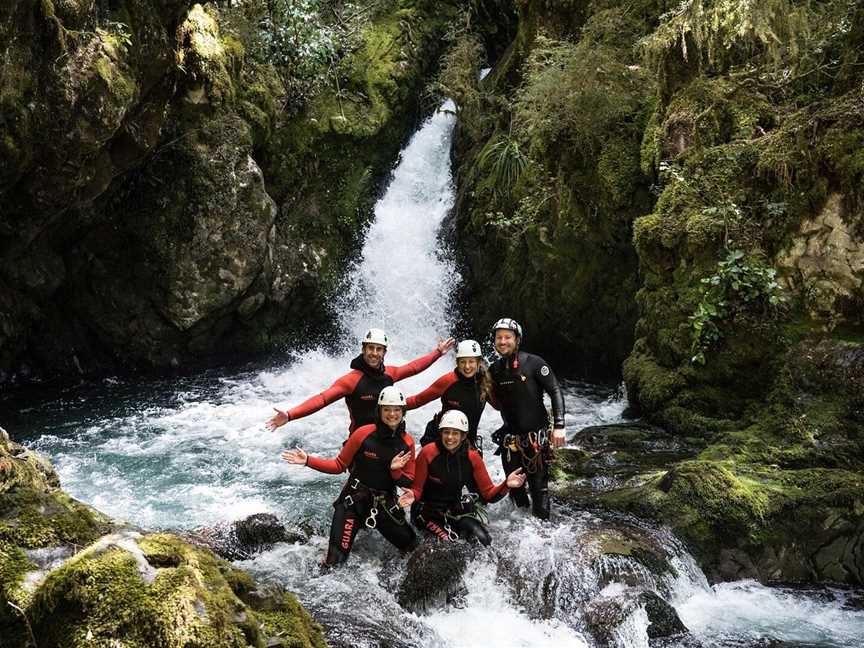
(750, 610)
(489, 619)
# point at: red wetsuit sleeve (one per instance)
(422, 471)
(346, 455)
(488, 491)
(414, 367)
(339, 389)
(433, 391)
(405, 476)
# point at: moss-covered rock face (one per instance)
(752, 163)
(160, 201)
(71, 577)
(550, 182)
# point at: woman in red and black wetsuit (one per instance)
(443, 469)
(467, 388)
(360, 386)
(379, 457)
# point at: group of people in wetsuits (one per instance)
(379, 454)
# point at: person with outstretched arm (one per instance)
(467, 388)
(379, 457)
(444, 468)
(360, 386)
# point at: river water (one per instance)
(183, 453)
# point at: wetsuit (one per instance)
(369, 497)
(360, 388)
(456, 392)
(439, 508)
(519, 382)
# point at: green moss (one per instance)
(654, 385)
(13, 565)
(204, 56)
(292, 625)
(100, 596)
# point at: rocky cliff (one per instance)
(176, 185)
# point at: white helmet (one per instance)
(374, 336)
(468, 349)
(391, 396)
(453, 419)
(510, 324)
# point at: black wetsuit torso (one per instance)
(371, 464)
(519, 383)
(363, 401)
(459, 393)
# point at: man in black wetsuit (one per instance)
(525, 441)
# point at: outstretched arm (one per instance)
(420, 364)
(433, 391)
(342, 461)
(339, 389)
(487, 490)
(550, 385)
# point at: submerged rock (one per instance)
(605, 617)
(241, 539)
(433, 575)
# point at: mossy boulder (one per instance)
(70, 577)
(756, 522)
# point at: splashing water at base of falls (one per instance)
(194, 452)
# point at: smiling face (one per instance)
(392, 415)
(467, 366)
(451, 438)
(505, 341)
(373, 354)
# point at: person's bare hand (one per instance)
(516, 478)
(296, 456)
(400, 460)
(558, 438)
(445, 345)
(407, 498)
(279, 419)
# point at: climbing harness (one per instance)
(469, 506)
(537, 441)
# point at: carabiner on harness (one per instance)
(371, 521)
(451, 534)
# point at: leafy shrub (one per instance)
(740, 283)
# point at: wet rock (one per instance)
(605, 616)
(433, 575)
(261, 531)
(609, 457)
(663, 617)
(242, 539)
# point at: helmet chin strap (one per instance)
(515, 355)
